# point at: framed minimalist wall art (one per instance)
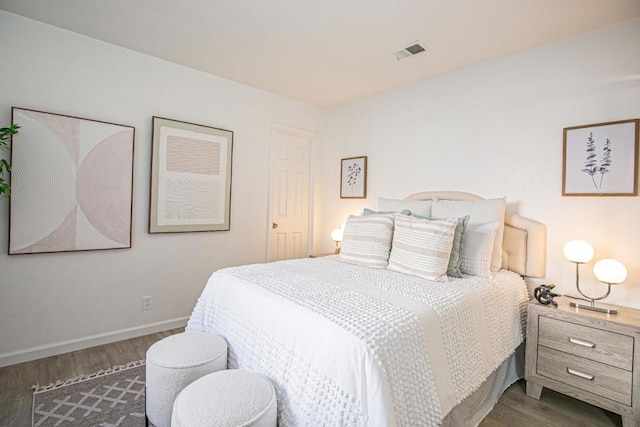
(190, 177)
(353, 178)
(601, 159)
(72, 182)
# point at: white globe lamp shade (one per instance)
(336, 235)
(610, 271)
(578, 251)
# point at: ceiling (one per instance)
(326, 52)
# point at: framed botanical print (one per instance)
(601, 159)
(353, 178)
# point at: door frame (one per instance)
(313, 137)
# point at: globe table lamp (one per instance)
(336, 236)
(580, 252)
(610, 272)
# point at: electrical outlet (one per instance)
(146, 303)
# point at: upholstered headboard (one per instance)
(524, 247)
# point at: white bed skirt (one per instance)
(471, 411)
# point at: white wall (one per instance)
(54, 302)
(496, 129)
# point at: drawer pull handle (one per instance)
(580, 374)
(581, 342)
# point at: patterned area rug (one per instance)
(110, 398)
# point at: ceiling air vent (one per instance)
(411, 50)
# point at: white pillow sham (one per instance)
(417, 207)
(422, 247)
(366, 240)
(480, 211)
(476, 248)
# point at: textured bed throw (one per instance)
(114, 397)
(346, 345)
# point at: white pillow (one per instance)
(480, 211)
(366, 240)
(421, 247)
(476, 249)
(417, 207)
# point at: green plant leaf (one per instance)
(5, 166)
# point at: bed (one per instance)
(346, 344)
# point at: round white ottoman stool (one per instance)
(231, 398)
(175, 362)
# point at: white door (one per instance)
(290, 172)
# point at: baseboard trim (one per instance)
(38, 352)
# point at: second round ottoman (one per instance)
(175, 362)
(232, 398)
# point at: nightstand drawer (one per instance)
(596, 344)
(593, 377)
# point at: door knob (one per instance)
(274, 225)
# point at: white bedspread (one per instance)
(349, 345)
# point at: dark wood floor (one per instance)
(16, 380)
(513, 409)
(554, 409)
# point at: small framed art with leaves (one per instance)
(601, 159)
(353, 178)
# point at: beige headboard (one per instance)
(524, 248)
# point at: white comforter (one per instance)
(350, 345)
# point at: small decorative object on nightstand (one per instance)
(544, 294)
(588, 355)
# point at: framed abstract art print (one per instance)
(190, 177)
(72, 184)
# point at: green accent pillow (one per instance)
(367, 212)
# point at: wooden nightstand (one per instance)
(591, 356)
(321, 255)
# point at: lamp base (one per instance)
(593, 308)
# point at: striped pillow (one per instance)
(453, 269)
(366, 240)
(422, 247)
